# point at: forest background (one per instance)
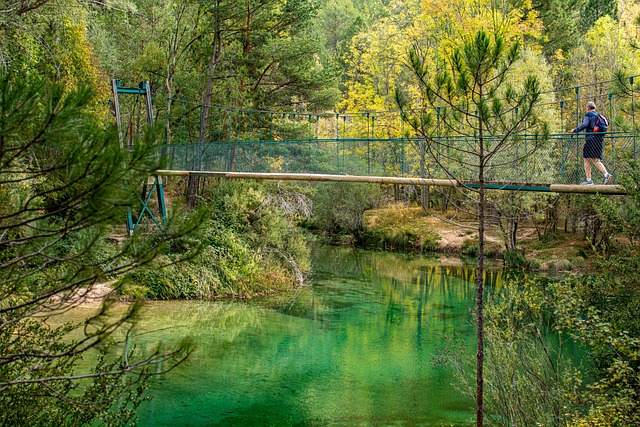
(57, 222)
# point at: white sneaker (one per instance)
(589, 181)
(607, 178)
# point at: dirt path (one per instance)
(90, 297)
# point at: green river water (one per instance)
(353, 349)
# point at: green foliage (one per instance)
(610, 333)
(64, 185)
(529, 377)
(561, 24)
(49, 39)
(398, 227)
(250, 245)
(592, 10)
(530, 380)
(340, 207)
(469, 247)
(339, 22)
(116, 397)
(264, 55)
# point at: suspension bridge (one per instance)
(555, 164)
(375, 147)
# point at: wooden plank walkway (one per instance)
(489, 185)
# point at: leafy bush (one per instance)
(595, 312)
(250, 245)
(341, 206)
(470, 247)
(515, 259)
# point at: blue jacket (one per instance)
(589, 122)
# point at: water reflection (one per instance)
(354, 349)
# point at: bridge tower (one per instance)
(143, 204)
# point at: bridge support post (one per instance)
(142, 199)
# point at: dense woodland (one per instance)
(65, 183)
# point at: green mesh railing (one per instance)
(380, 143)
(522, 159)
(619, 150)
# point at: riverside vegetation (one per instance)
(64, 181)
(248, 245)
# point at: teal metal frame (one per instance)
(144, 198)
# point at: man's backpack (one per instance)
(601, 125)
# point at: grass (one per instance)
(399, 227)
(402, 227)
(558, 251)
(409, 228)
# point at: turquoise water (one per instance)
(354, 349)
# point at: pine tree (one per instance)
(479, 109)
(64, 188)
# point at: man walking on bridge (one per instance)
(594, 142)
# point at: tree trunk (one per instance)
(169, 74)
(480, 281)
(425, 196)
(424, 190)
(246, 48)
(597, 223)
(192, 187)
(445, 200)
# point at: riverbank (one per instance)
(409, 229)
(230, 266)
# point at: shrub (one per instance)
(341, 206)
(470, 247)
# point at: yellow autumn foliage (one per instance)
(378, 55)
